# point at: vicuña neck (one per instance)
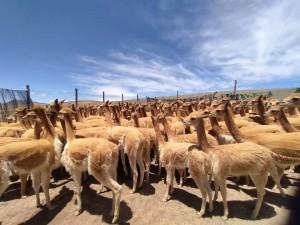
(53, 117)
(108, 118)
(116, 116)
(201, 135)
(37, 128)
(69, 127)
(216, 134)
(215, 124)
(231, 126)
(159, 136)
(171, 134)
(285, 124)
(47, 124)
(63, 125)
(292, 111)
(242, 111)
(136, 120)
(80, 119)
(261, 111)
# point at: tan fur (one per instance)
(199, 166)
(238, 160)
(150, 141)
(4, 176)
(132, 142)
(7, 140)
(192, 138)
(145, 122)
(98, 156)
(222, 139)
(279, 115)
(90, 123)
(174, 155)
(178, 127)
(98, 132)
(295, 121)
(35, 157)
(287, 144)
(11, 131)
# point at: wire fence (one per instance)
(10, 100)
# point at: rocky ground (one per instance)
(145, 207)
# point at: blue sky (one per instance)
(148, 47)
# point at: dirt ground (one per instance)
(145, 207)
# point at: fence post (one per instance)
(122, 98)
(234, 90)
(76, 97)
(137, 98)
(28, 96)
(177, 95)
(103, 96)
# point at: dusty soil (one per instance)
(145, 207)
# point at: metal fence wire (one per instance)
(10, 100)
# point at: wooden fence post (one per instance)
(76, 97)
(234, 90)
(28, 96)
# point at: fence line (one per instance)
(11, 99)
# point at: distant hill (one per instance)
(279, 93)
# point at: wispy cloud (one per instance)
(218, 42)
(252, 41)
(139, 72)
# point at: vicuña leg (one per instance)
(172, 181)
(260, 182)
(168, 183)
(132, 162)
(109, 182)
(142, 170)
(4, 181)
(221, 181)
(122, 154)
(147, 163)
(45, 177)
(77, 176)
(276, 178)
(23, 178)
(36, 183)
(202, 185)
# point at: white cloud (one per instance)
(38, 94)
(140, 72)
(217, 42)
(252, 41)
